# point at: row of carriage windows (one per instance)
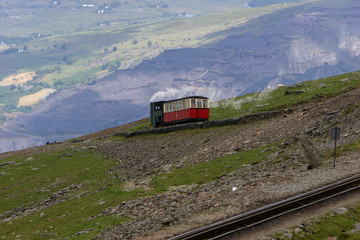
(185, 104)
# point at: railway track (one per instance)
(245, 119)
(257, 216)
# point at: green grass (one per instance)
(80, 19)
(79, 77)
(347, 148)
(10, 97)
(31, 181)
(330, 225)
(350, 147)
(73, 216)
(24, 178)
(352, 108)
(207, 171)
(280, 99)
(143, 126)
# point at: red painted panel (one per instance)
(167, 117)
(203, 113)
(192, 113)
(177, 115)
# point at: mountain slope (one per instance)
(309, 41)
(110, 187)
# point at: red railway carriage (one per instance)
(189, 109)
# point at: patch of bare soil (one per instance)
(35, 98)
(18, 79)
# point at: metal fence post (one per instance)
(335, 135)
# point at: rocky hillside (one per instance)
(309, 41)
(105, 186)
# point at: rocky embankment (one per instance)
(283, 173)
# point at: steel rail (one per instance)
(284, 213)
(262, 214)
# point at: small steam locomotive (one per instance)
(183, 110)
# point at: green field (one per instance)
(68, 44)
(75, 177)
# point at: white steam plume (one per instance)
(172, 93)
(258, 97)
(215, 94)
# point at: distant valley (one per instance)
(288, 45)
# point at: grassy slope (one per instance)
(74, 184)
(280, 99)
(36, 179)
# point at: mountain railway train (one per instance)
(183, 110)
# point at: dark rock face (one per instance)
(290, 46)
(311, 152)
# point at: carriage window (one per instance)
(199, 103)
(193, 103)
(187, 103)
(183, 104)
(167, 107)
(205, 105)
